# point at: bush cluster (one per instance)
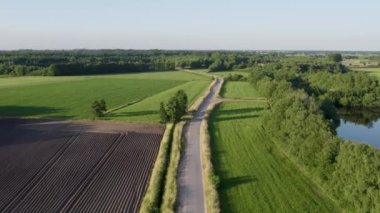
(99, 108)
(235, 77)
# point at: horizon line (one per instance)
(200, 50)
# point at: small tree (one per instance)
(175, 108)
(99, 107)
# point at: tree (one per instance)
(99, 108)
(335, 57)
(182, 101)
(19, 70)
(163, 114)
(175, 108)
(217, 65)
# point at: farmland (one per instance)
(271, 144)
(255, 176)
(70, 97)
(147, 110)
(371, 71)
(44, 173)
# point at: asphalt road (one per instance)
(190, 181)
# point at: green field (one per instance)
(255, 176)
(237, 89)
(6, 82)
(71, 97)
(147, 110)
(372, 71)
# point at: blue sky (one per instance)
(190, 24)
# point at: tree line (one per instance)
(85, 62)
(301, 122)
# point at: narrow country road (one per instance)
(190, 181)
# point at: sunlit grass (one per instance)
(255, 176)
(237, 89)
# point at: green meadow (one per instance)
(238, 89)
(71, 97)
(254, 175)
(147, 110)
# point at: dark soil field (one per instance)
(62, 166)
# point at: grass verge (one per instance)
(152, 198)
(166, 188)
(169, 199)
(210, 180)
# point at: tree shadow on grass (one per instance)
(241, 111)
(236, 117)
(229, 183)
(238, 114)
(25, 111)
(223, 91)
(236, 181)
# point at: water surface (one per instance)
(362, 126)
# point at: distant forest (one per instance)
(87, 62)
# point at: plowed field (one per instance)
(53, 166)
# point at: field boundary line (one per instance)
(143, 99)
(70, 202)
(40, 174)
(124, 105)
(201, 73)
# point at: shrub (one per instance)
(99, 108)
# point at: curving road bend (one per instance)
(190, 180)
